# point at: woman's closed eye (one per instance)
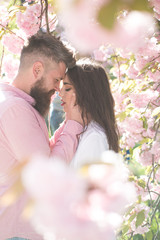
(68, 89)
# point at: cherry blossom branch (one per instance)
(156, 207)
(6, 28)
(155, 58)
(157, 131)
(46, 15)
(52, 20)
(41, 14)
(157, 86)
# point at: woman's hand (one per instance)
(74, 111)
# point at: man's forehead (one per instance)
(59, 70)
(62, 70)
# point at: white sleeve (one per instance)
(90, 149)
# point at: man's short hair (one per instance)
(44, 46)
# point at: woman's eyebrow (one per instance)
(66, 83)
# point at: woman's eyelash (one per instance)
(68, 89)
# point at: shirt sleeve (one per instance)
(66, 143)
(56, 135)
(24, 133)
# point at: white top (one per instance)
(93, 142)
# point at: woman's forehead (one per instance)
(66, 80)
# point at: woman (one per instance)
(90, 85)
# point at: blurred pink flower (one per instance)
(72, 206)
(86, 34)
(156, 5)
(10, 67)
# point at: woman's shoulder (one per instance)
(94, 129)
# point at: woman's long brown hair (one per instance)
(93, 95)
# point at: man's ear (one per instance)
(38, 70)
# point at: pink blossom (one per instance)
(103, 53)
(142, 191)
(157, 175)
(150, 49)
(140, 62)
(137, 125)
(132, 72)
(99, 55)
(140, 229)
(29, 21)
(155, 190)
(145, 158)
(10, 67)
(4, 17)
(13, 43)
(141, 99)
(154, 76)
(119, 98)
(149, 133)
(131, 142)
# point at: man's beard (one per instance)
(42, 97)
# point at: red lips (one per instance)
(62, 104)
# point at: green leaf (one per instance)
(141, 5)
(141, 183)
(121, 116)
(132, 217)
(156, 111)
(107, 14)
(138, 237)
(149, 235)
(140, 218)
(125, 229)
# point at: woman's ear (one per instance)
(38, 70)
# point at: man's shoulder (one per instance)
(10, 102)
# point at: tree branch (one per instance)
(46, 15)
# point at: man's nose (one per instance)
(57, 87)
(61, 92)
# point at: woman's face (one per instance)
(66, 93)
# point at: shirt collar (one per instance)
(17, 92)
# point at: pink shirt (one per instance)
(23, 132)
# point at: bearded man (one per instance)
(23, 106)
